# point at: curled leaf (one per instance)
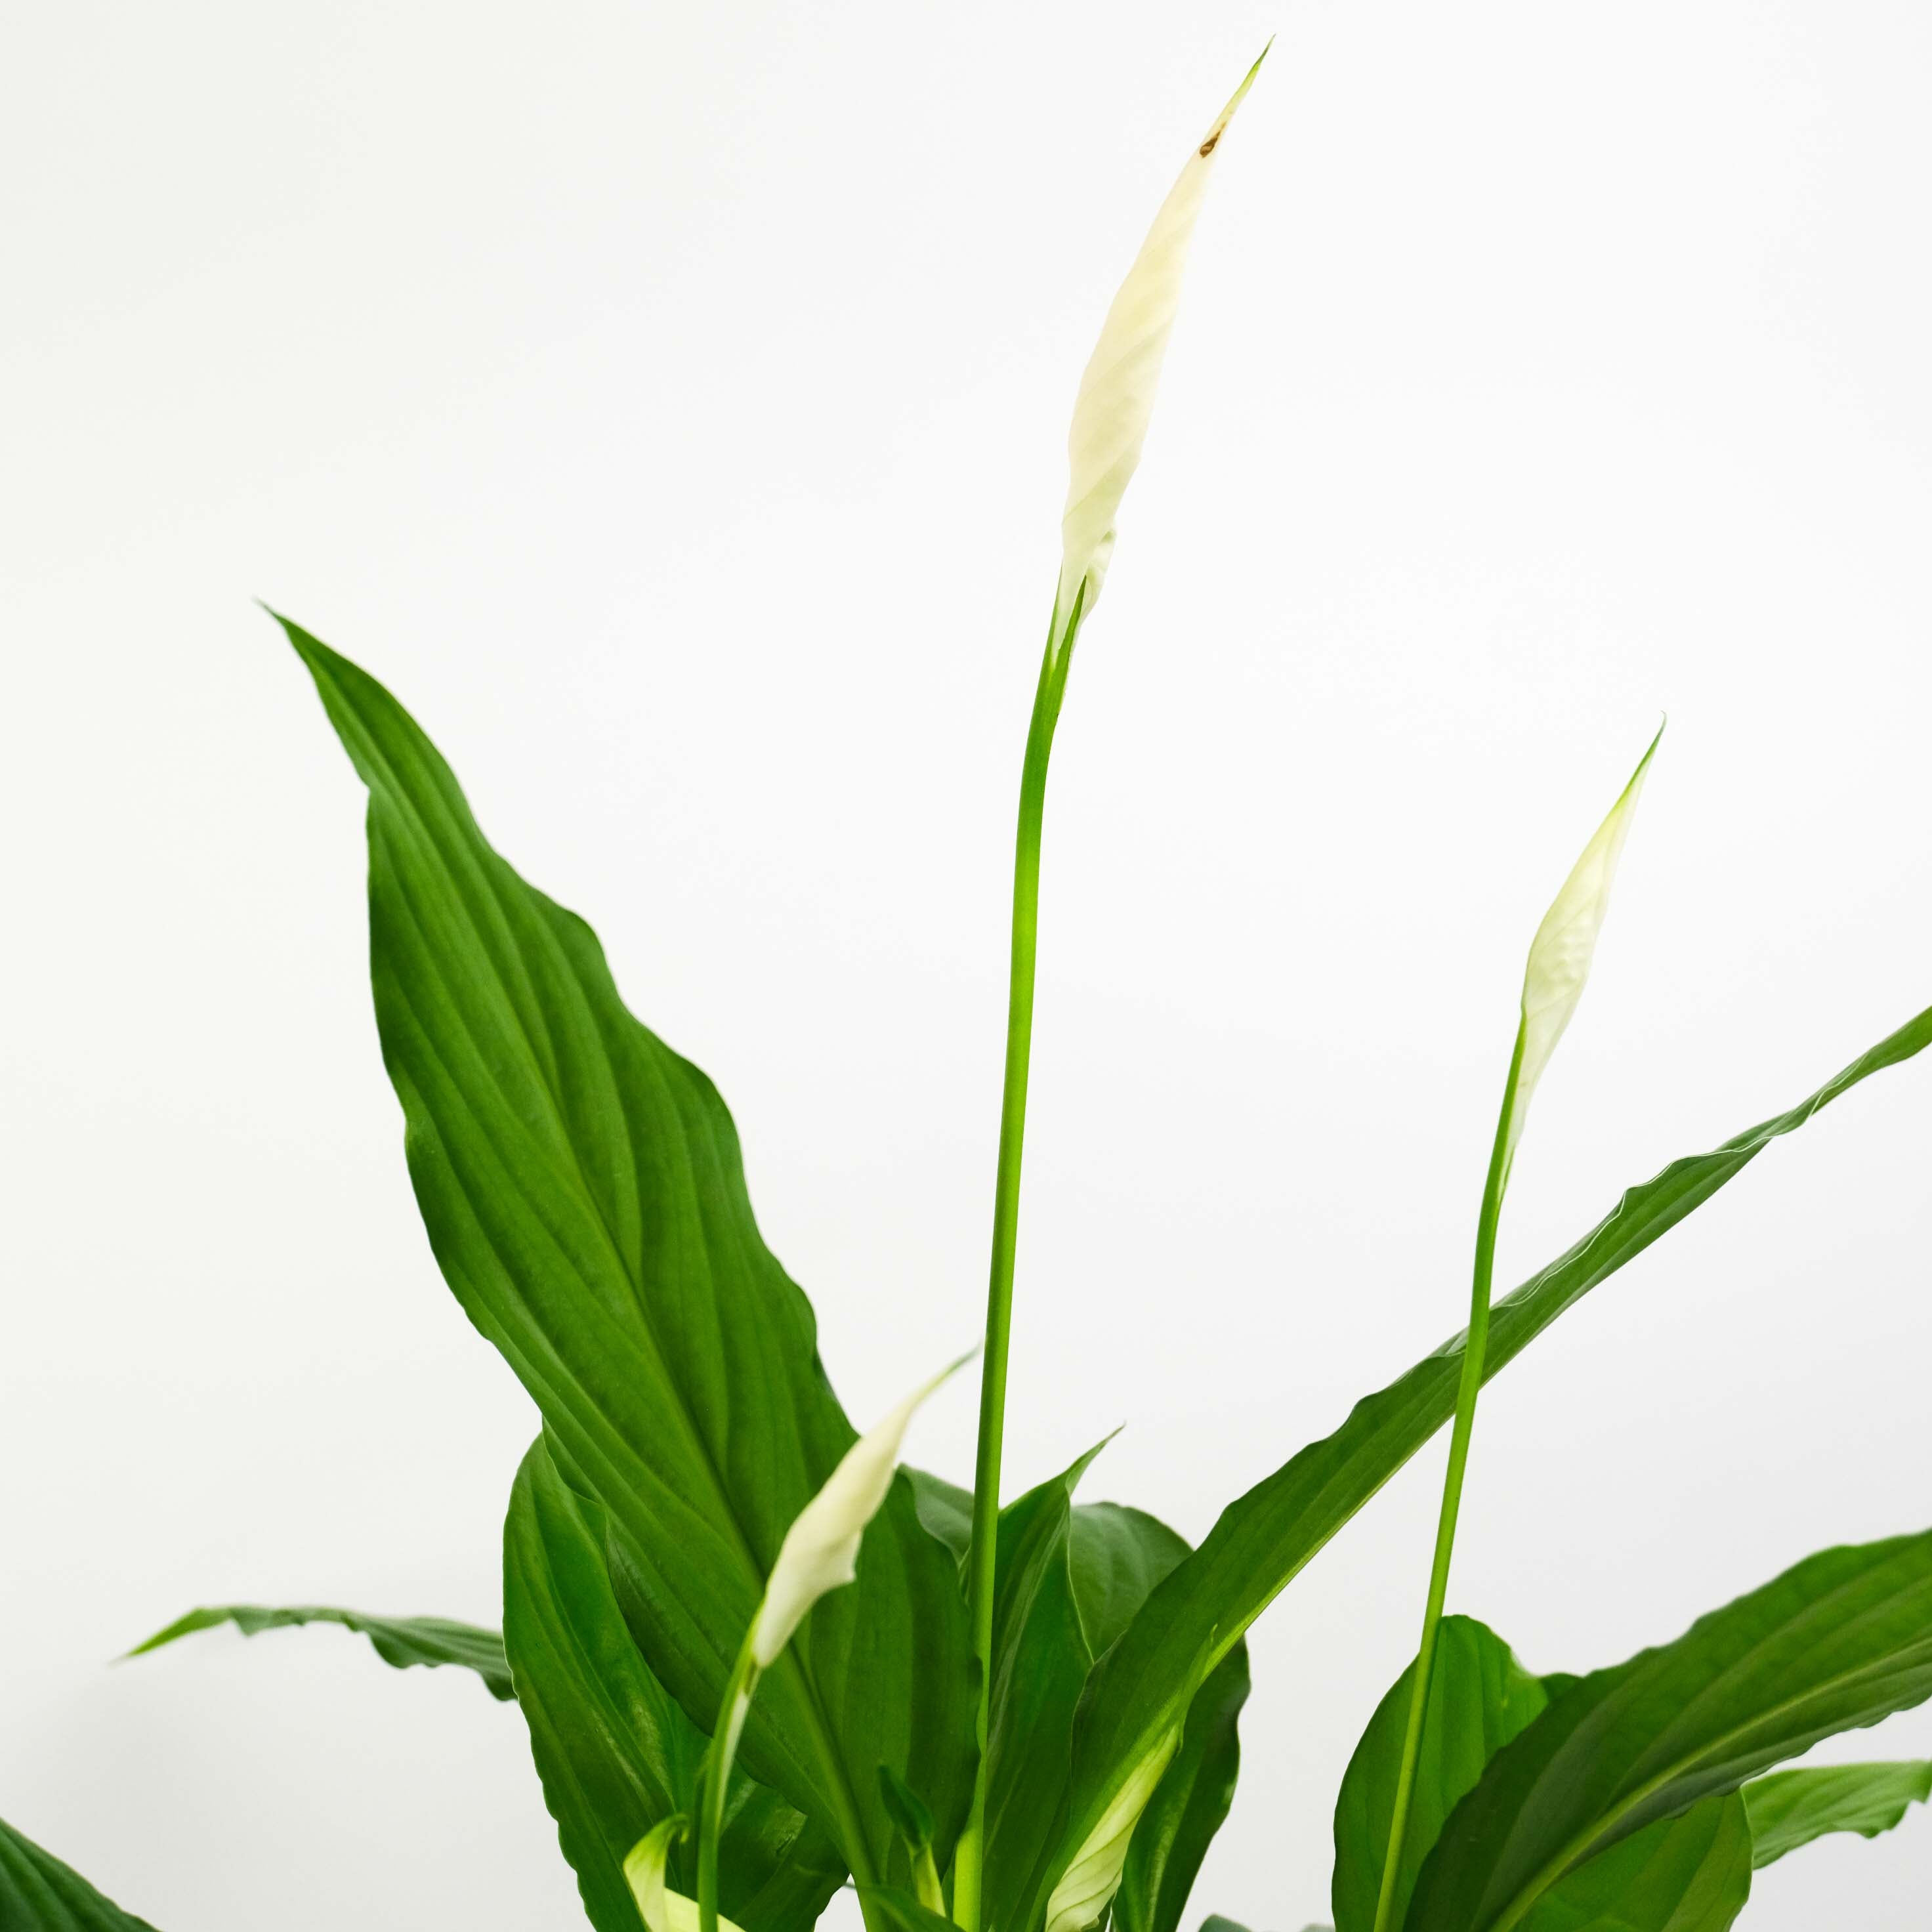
(662, 1910)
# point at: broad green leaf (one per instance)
(399, 1641)
(1116, 1557)
(39, 1894)
(1841, 1640)
(1264, 1539)
(1790, 1808)
(1214, 1922)
(1479, 1698)
(1691, 1873)
(1188, 1808)
(892, 1908)
(616, 1752)
(1041, 1658)
(583, 1194)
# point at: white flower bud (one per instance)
(1116, 400)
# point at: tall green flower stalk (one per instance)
(1111, 415)
(1560, 957)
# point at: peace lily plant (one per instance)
(759, 1660)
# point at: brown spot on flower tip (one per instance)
(1208, 146)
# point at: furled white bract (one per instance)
(1087, 1886)
(1116, 400)
(821, 1550)
(1565, 943)
(661, 1909)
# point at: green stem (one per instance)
(970, 1856)
(1467, 1390)
(738, 1689)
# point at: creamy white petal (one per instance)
(1565, 944)
(821, 1550)
(662, 1910)
(1116, 399)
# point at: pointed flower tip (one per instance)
(821, 1550)
(1115, 403)
(1565, 945)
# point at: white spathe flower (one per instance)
(821, 1550)
(1565, 944)
(1116, 400)
(662, 1910)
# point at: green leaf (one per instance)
(1687, 1874)
(584, 1196)
(616, 1752)
(1041, 1658)
(39, 1894)
(399, 1641)
(1479, 1698)
(1790, 1808)
(1264, 1539)
(1188, 1808)
(892, 1906)
(1841, 1640)
(909, 1814)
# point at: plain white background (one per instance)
(669, 403)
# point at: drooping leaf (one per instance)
(1840, 1640)
(1692, 1873)
(583, 1194)
(616, 1752)
(399, 1641)
(1264, 1539)
(39, 1894)
(1790, 1808)
(1479, 1698)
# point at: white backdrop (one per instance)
(668, 402)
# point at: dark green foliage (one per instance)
(616, 1752)
(1841, 1640)
(39, 1894)
(1264, 1539)
(1479, 1698)
(584, 1195)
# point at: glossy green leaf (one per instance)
(1691, 1873)
(1041, 1658)
(1840, 1641)
(1263, 1540)
(39, 1894)
(583, 1194)
(1790, 1808)
(399, 1641)
(1479, 1698)
(616, 1754)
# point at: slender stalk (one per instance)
(1474, 1348)
(738, 1689)
(970, 1856)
